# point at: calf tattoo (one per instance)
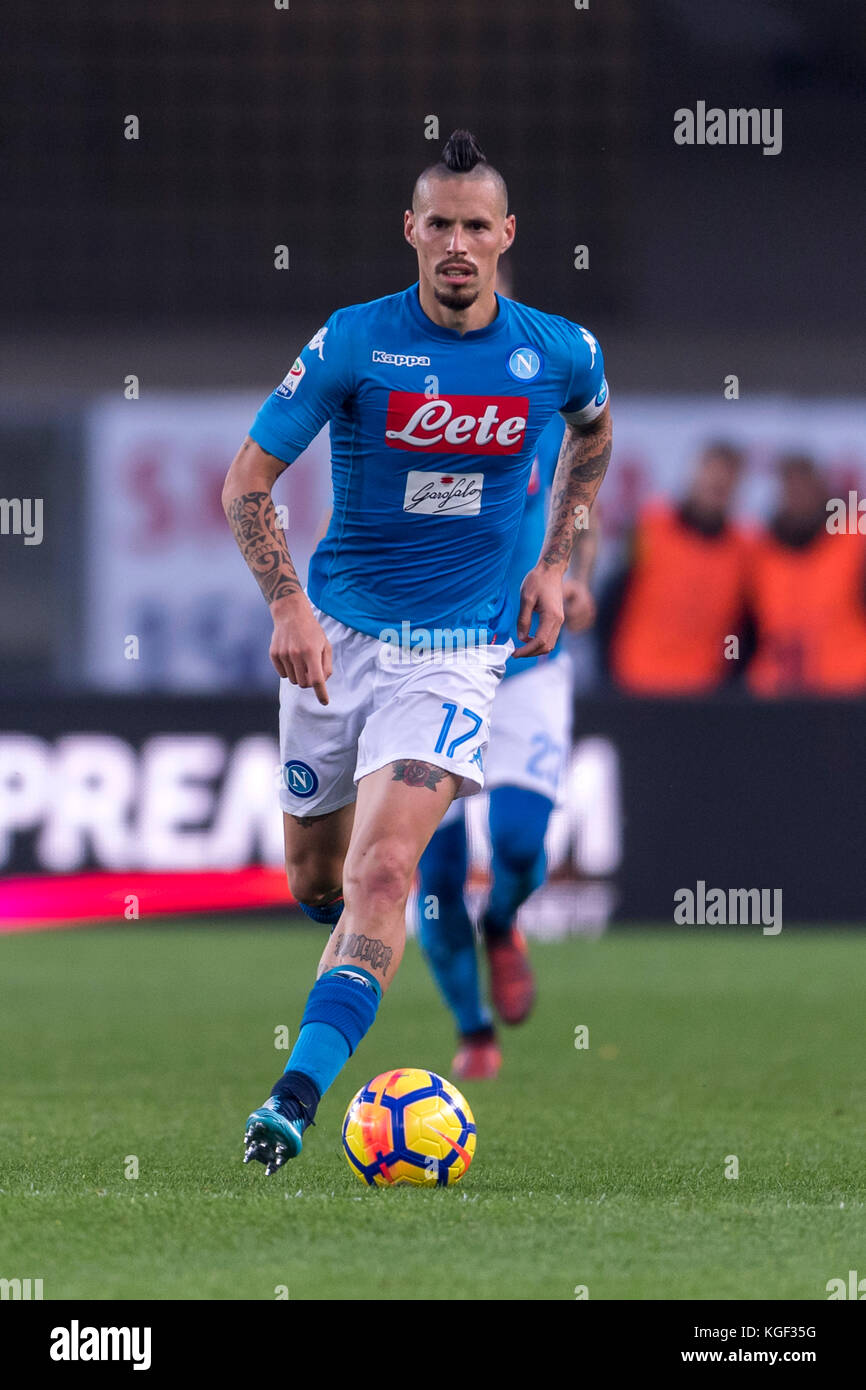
(368, 949)
(418, 774)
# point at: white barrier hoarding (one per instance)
(196, 802)
(657, 440)
(163, 565)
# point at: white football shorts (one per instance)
(530, 731)
(385, 704)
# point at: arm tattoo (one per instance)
(417, 774)
(582, 464)
(371, 950)
(253, 519)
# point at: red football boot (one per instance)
(512, 983)
(479, 1057)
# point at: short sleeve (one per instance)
(588, 390)
(318, 382)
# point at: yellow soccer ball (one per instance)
(409, 1126)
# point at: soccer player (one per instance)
(389, 661)
(530, 734)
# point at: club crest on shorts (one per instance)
(300, 779)
(525, 363)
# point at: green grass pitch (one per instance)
(602, 1167)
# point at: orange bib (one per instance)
(685, 596)
(809, 613)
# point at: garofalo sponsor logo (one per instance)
(77, 1343)
(736, 126)
(731, 907)
(443, 494)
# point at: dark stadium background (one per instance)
(305, 127)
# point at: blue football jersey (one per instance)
(433, 435)
(530, 535)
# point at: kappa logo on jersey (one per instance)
(317, 343)
(399, 359)
(300, 778)
(443, 494)
(591, 344)
(525, 363)
(456, 424)
(289, 383)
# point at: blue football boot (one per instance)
(274, 1132)
(273, 1137)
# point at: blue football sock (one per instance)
(445, 931)
(518, 824)
(340, 1009)
(329, 914)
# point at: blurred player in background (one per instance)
(530, 735)
(808, 593)
(684, 590)
(437, 396)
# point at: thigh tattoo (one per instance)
(418, 774)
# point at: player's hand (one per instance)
(299, 648)
(541, 593)
(579, 605)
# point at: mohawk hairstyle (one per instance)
(461, 154)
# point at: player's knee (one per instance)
(382, 877)
(313, 883)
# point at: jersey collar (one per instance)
(450, 335)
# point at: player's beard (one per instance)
(460, 297)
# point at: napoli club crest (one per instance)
(300, 779)
(525, 363)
